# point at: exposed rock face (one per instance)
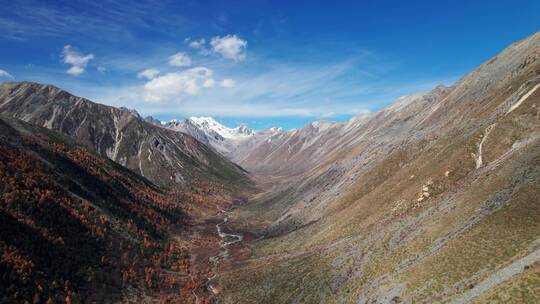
(422, 200)
(165, 157)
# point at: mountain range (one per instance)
(433, 199)
(168, 158)
(210, 132)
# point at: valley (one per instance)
(433, 199)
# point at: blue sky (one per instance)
(265, 63)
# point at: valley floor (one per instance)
(491, 255)
(445, 231)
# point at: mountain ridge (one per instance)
(168, 158)
(210, 132)
(78, 227)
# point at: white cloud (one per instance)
(282, 90)
(75, 70)
(196, 44)
(78, 61)
(230, 47)
(148, 73)
(272, 89)
(101, 69)
(174, 85)
(5, 74)
(180, 59)
(209, 83)
(227, 83)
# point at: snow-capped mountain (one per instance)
(210, 126)
(209, 131)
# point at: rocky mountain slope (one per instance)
(298, 150)
(79, 228)
(433, 199)
(167, 158)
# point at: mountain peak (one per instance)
(131, 111)
(203, 119)
(212, 127)
(244, 129)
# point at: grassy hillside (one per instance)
(436, 202)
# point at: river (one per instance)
(227, 239)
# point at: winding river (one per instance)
(227, 239)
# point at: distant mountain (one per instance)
(153, 121)
(208, 131)
(211, 126)
(168, 158)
